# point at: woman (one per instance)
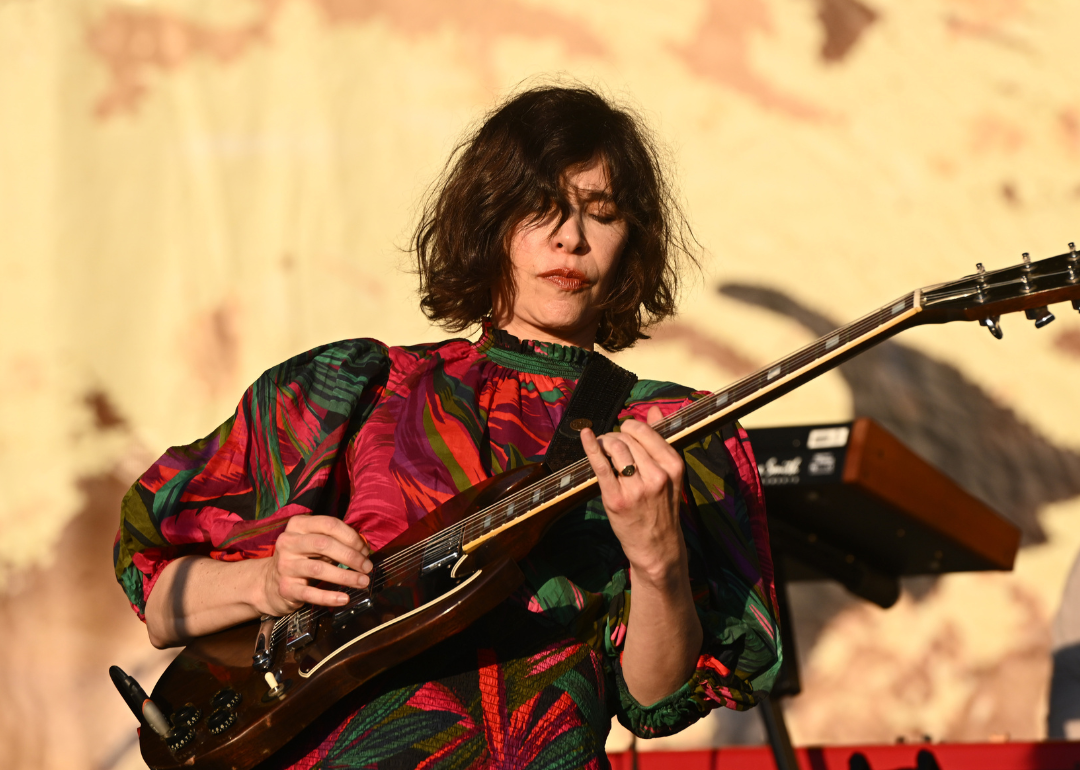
(554, 232)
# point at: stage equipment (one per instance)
(849, 502)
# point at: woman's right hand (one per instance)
(308, 552)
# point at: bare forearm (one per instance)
(663, 635)
(197, 595)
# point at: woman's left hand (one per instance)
(640, 477)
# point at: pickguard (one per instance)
(460, 586)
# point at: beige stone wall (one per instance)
(192, 190)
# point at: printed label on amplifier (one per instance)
(827, 438)
(822, 464)
(775, 472)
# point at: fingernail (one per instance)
(363, 581)
(341, 598)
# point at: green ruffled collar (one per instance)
(531, 356)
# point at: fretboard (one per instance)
(730, 403)
(679, 428)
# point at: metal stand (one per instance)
(787, 682)
(779, 740)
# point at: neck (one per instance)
(523, 330)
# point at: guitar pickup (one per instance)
(343, 616)
(437, 559)
(300, 631)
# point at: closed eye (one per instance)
(604, 212)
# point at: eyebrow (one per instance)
(588, 195)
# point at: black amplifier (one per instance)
(801, 455)
(849, 501)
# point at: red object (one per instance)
(1049, 755)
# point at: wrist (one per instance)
(664, 575)
(258, 588)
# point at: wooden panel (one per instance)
(879, 464)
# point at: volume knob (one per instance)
(220, 721)
(186, 715)
(178, 738)
(225, 698)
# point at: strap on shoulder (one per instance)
(597, 399)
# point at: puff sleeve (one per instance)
(731, 578)
(228, 495)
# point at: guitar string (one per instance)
(550, 487)
(402, 562)
(845, 334)
(406, 561)
(665, 427)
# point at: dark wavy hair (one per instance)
(512, 170)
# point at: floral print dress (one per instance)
(379, 436)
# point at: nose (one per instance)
(570, 236)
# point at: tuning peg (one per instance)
(1027, 260)
(980, 279)
(992, 323)
(1040, 315)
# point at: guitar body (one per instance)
(347, 647)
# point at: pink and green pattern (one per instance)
(379, 436)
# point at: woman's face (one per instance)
(561, 275)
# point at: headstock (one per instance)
(989, 294)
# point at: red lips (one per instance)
(567, 279)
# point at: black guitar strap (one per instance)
(595, 403)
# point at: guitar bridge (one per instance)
(300, 631)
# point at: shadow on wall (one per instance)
(945, 418)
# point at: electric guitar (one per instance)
(236, 697)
